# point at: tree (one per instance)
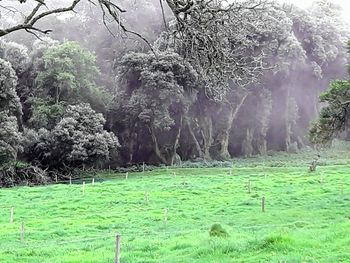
(222, 40)
(78, 139)
(66, 74)
(334, 118)
(155, 92)
(38, 10)
(202, 28)
(10, 138)
(16, 54)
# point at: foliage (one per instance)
(17, 173)
(77, 139)
(218, 39)
(16, 54)
(68, 74)
(224, 79)
(334, 118)
(10, 138)
(155, 91)
(156, 85)
(9, 100)
(44, 114)
(64, 74)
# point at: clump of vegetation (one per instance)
(276, 240)
(19, 173)
(217, 230)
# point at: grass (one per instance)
(306, 218)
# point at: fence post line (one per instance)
(117, 248)
(11, 215)
(22, 231)
(126, 175)
(93, 181)
(56, 179)
(143, 167)
(70, 179)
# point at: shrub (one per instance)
(217, 230)
(18, 173)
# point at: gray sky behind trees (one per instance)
(345, 4)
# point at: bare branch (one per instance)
(221, 38)
(108, 8)
(32, 18)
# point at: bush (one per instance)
(77, 140)
(17, 173)
(218, 231)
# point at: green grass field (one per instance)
(306, 217)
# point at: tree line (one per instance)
(212, 82)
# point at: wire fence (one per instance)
(135, 234)
(166, 230)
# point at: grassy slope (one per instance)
(305, 220)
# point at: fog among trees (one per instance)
(119, 83)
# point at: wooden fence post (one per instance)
(117, 248)
(146, 197)
(143, 167)
(126, 175)
(263, 204)
(11, 215)
(93, 181)
(342, 188)
(22, 231)
(166, 216)
(70, 179)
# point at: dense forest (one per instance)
(207, 82)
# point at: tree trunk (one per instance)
(194, 138)
(247, 145)
(176, 143)
(262, 146)
(19, 121)
(156, 145)
(131, 144)
(287, 122)
(206, 124)
(223, 136)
